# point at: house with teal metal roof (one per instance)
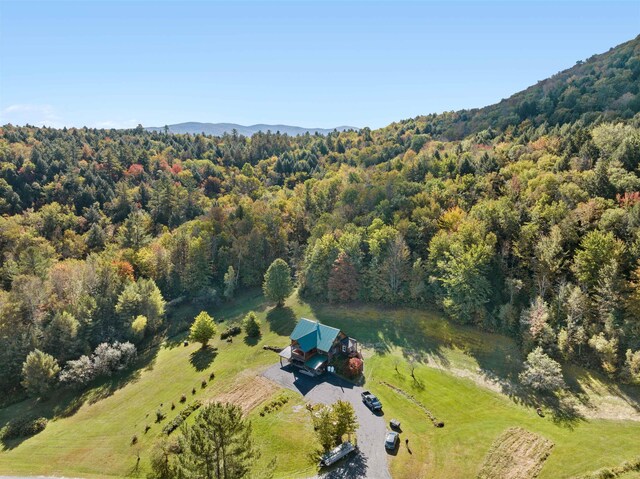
(314, 344)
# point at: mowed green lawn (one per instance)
(474, 416)
(94, 439)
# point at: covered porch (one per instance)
(313, 363)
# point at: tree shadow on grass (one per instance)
(65, 402)
(561, 406)
(281, 320)
(111, 385)
(135, 470)
(417, 384)
(427, 337)
(202, 358)
(232, 312)
(564, 412)
(581, 380)
(252, 340)
(383, 328)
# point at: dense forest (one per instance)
(521, 218)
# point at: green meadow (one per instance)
(463, 376)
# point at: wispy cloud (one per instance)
(33, 114)
(117, 124)
(46, 115)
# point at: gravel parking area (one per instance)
(371, 460)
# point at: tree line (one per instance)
(531, 229)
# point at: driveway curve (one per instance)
(370, 462)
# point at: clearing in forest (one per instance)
(516, 454)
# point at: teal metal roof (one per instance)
(316, 361)
(311, 334)
(308, 342)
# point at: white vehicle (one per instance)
(391, 440)
(333, 456)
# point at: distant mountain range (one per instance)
(218, 129)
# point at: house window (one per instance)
(344, 348)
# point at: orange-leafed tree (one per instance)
(354, 367)
(343, 281)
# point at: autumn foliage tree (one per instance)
(343, 281)
(355, 367)
(533, 214)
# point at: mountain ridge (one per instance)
(605, 86)
(218, 129)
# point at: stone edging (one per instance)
(433, 419)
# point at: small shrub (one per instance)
(180, 418)
(227, 333)
(274, 405)
(173, 405)
(193, 391)
(275, 349)
(617, 471)
(354, 367)
(134, 439)
(35, 426)
(605, 474)
(146, 428)
(159, 415)
(23, 427)
(183, 398)
(251, 325)
(203, 384)
(211, 376)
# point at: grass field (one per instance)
(459, 371)
(94, 440)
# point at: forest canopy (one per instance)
(521, 218)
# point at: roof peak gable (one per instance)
(314, 332)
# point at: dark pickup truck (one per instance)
(371, 401)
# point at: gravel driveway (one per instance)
(371, 460)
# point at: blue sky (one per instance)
(307, 63)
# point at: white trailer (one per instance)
(336, 454)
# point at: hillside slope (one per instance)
(605, 85)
